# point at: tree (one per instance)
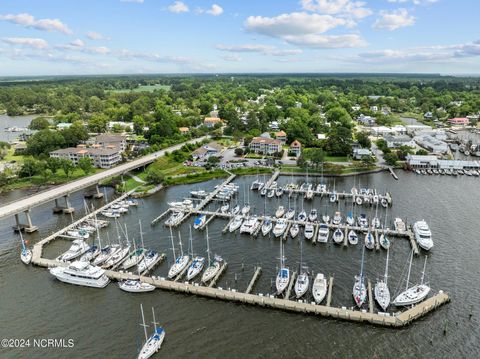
(86, 165)
(54, 164)
(298, 130)
(421, 152)
(154, 176)
(98, 123)
(364, 140)
(44, 142)
(391, 158)
(339, 141)
(67, 166)
(30, 167)
(368, 161)
(39, 123)
(75, 134)
(238, 151)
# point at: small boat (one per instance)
(91, 254)
(185, 204)
(384, 202)
(225, 208)
(279, 228)
(271, 193)
(384, 241)
(312, 216)
(78, 247)
(283, 276)
(414, 294)
(326, 218)
(309, 231)
(294, 230)
(399, 225)
(235, 210)
(338, 236)
(369, 241)
(333, 197)
(149, 260)
(376, 222)
(267, 226)
(423, 235)
(105, 254)
(301, 284)
(245, 209)
(302, 216)
(280, 212)
(279, 192)
(175, 218)
(323, 233)
(290, 213)
(199, 221)
(196, 267)
(337, 218)
(309, 194)
(359, 290)
(263, 191)
(375, 199)
(81, 233)
(350, 219)
(255, 185)
(352, 237)
(181, 261)
(135, 286)
(250, 225)
(25, 254)
(362, 221)
(212, 269)
(199, 194)
(152, 343)
(236, 223)
(110, 214)
(381, 291)
(116, 258)
(319, 288)
(358, 200)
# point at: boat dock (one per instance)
(217, 276)
(330, 290)
(290, 285)
(258, 270)
(370, 297)
(272, 179)
(159, 260)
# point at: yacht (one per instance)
(199, 221)
(81, 233)
(267, 226)
(352, 237)
(323, 233)
(148, 261)
(423, 235)
(110, 214)
(279, 228)
(78, 247)
(309, 231)
(290, 214)
(152, 343)
(196, 267)
(338, 236)
(81, 273)
(319, 288)
(135, 286)
(255, 185)
(236, 223)
(294, 230)
(312, 216)
(280, 212)
(369, 241)
(414, 294)
(399, 225)
(250, 225)
(186, 204)
(337, 218)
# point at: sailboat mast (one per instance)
(173, 244)
(154, 322)
(98, 233)
(208, 246)
(361, 266)
(143, 322)
(191, 240)
(385, 277)
(409, 270)
(424, 268)
(180, 243)
(141, 232)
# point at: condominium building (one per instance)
(265, 145)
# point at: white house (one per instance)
(399, 141)
(360, 153)
(267, 146)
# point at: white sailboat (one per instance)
(283, 276)
(319, 288)
(338, 236)
(414, 294)
(302, 282)
(312, 216)
(181, 261)
(213, 266)
(352, 237)
(135, 285)
(381, 291)
(236, 223)
(279, 228)
(199, 221)
(25, 254)
(369, 241)
(359, 290)
(280, 212)
(197, 263)
(154, 342)
(267, 226)
(294, 230)
(138, 253)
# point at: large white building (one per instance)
(101, 157)
(417, 161)
(399, 141)
(267, 146)
(431, 144)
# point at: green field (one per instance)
(144, 88)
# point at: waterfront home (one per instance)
(459, 121)
(429, 161)
(399, 141)
(212, 148)
(281, 136)
(107, 140)
(267, 146)
(210, 122)
(431, 144)
(360, 153)
(101, 157)
(296, 148)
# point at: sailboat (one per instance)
(246, 205)
(213, 266)
(381, 291)
(197, 264)
(236, 223)
(338, 236)
(280, 212)
(267, 226)
(181, 261)
(369, 241)
(25, 254)
(120, 254)
(294, 229)
(279, 228)
(283, 276)
(414, 294)
(138, 253)
(359, 290)
(352, 237)
(319, 288)
(350, 219)
(312, 216)
(384, 241)
(199, 221)
(302, 283)
(154, 342)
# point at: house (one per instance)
(281, 136)
(212, 148)
(383, 130)
(428, 115)
(431, 143)
(123, 125)
(112, 141)
(184, 130)
(101, 157)
(412, 129)
(321, 136)
(360, 153)
(274, 126)
(296, 148)
(399, 141)
(459, 121)
(416, 161)
(211, 121)
(366, 120)
(268, 146)
(374, 108)
(63, 125)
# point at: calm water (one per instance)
(104, 323)
(11, 121)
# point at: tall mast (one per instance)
(143, 323)
(126, 234)
(141, 232)
(423, 272)
(385, 277)
(191, 240)
(98, 233)
(409, 269)
(361, 266)
(208, 246)
(154, 322)
(180, 243)
(385, 222)
(173, 245)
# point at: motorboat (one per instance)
(78, 247)
(290, 214)
(135, 286)
(359, 200)
(333, 197)
(302, 216)
(280, 212)
(263, 191)
(175, 218)
(80, 233)
(152, 343)
(149, 260)
(279, 227)
(250, 225)
(362, 221)
(271, 193)
(186, 204)
(423, 235)
(267, 226)
(196, 267)
(384, 241)
(236, 223)
(337, 218)
(309, 194)
(294, 230)
(352, 237)
(279, 192)
(338, 236)
(110, 214)
(312, 216)
(199, 221)
(323, 233)
(399, 225)
(369, 240)
(225, 208)
(326, 218)
(309, 231)
(81, 273)
(319, 288)
(255, 185)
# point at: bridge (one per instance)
(26, 204)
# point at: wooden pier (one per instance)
(370, 297)
(290, 285)
(258, 270)
(181, 274)
(272, 179)
(329, 292)
(155, 220)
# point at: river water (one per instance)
(105, 323)
(14, 121)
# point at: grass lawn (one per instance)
(336, 159)
(144, 88)
(11, 157)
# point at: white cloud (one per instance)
(77, 43)
(392, 20)
(215, 10)
(92, 35)
(28, 20)
(133, 1)
(326, 41)
(261, 49)
(27, 42)
(415, 2)
(178, 7)
(354, 9)
(130, 55)
(232, 58)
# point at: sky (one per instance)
(75, 37)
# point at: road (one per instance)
(60, 191)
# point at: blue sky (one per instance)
(48, 37)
